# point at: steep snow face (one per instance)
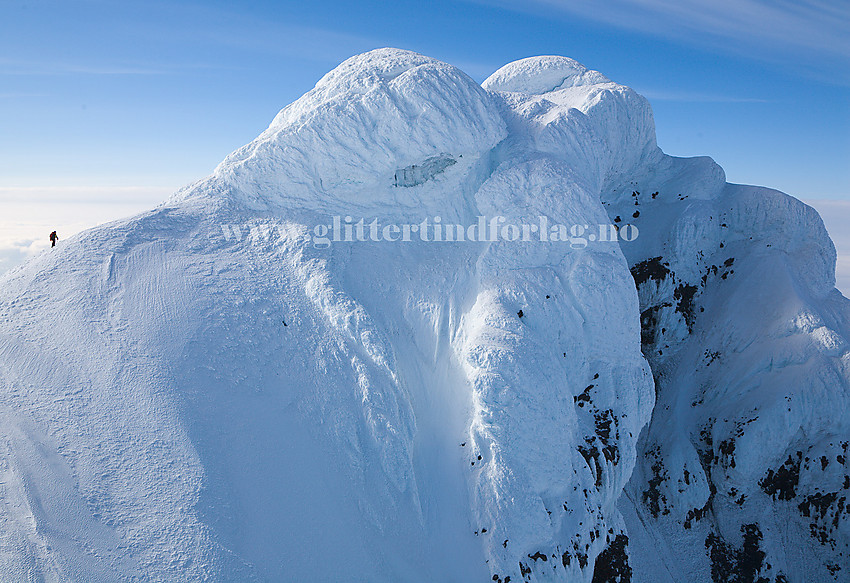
(559, 395)
(182, 402)
(742, 475)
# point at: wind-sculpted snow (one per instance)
(541, 75)
(182, 403)
(600, 130)
(559, 393)
(340, 145)
(742, 471)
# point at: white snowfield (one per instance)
(179, 404)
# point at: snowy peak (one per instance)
(244, 405)
(557, 107)
(539, 75)
(391, 118)
(347, 140)
(371, 68)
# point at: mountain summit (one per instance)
(225, 389)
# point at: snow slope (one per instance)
(183, 403)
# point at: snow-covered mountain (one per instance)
(185, 397)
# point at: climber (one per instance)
(53, 238)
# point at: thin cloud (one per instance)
(15, 253)
(694, 97)
(38, 68)
(239, 30)
(22, 95)
(119, 70)
(784, 31)
(31, 213)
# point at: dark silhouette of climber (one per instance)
(53, 238)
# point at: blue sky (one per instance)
(120, 103)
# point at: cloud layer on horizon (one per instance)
(31, 213)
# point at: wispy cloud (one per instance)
(789, 31)
(240, 32)
(32, 67)
(21, 95)
(213, 30)
(694, 97)
(16, 251)
(275, 38)
(29, 214)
